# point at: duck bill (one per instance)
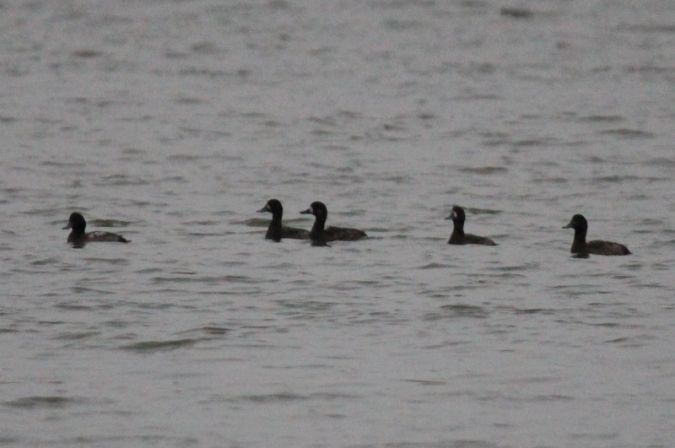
(264, 209)
(306, 212)
(68, 226)
(569, 226)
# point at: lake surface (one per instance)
(173, 122)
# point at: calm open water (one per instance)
(172, 122)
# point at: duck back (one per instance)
(600, 247)
(96, 237)
(333, 233)
(294, 233)
(276, 232)
(468, 238)
(106, 237)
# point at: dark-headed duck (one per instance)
(276, 231)
(458, 236)
(596, 247)
(321, 235)
(78, 237)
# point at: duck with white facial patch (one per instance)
(276, 231)
(458, 236)
(78, 237)
(321, 235)
(595, 247)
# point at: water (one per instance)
(173, 122)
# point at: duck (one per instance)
(320, 235)
(78, 237)
(458, 236)
(582, 248)
(276, 231)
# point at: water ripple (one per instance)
(159, 346)
(460, 310)
(43, 402)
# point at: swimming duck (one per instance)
(596, 247)
(276, 231)
(320, 235)
(458, 236)
(78, 237)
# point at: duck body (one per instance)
(468, 238)
(98, 236)
(320, 235)
(79, 237)
(332, 233)
(276, 231)
(596, 247)
(458, 236)
(600, 247)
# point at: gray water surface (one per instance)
(172, 122)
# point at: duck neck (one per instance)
(78, 230)
(274, 230)
(76, 235)
(457, 230)
(316, 234)
(579, 244)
